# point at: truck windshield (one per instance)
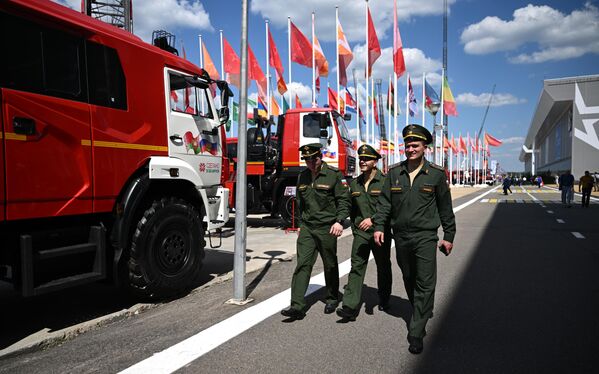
(342, 128)
(185, 98)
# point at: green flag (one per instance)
(285, 105)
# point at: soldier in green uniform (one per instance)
(415, 200)
(365, 191)
(323, 201)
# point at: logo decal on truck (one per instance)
(199, 144)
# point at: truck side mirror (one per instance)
(225, 93)
(223, 115)
(347, 117)
(324, 134)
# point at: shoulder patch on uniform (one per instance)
(438, 167)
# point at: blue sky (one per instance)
(512, 44)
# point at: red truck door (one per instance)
(46, 122)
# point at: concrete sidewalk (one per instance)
(266, 243)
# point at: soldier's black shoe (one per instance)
(330, 307)
(293, 313)
(416, 345)
(347, 313)
(384, 305)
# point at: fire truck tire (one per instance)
(167, 249)
(286, 210)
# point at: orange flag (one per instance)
(256, 73)
(275, 62)
(322, 64)
(208, 64)
(345, 54)
(298, 103)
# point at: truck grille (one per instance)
(351, 164)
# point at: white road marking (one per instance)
(192, 348)
(519, 201)
(559, 220)
(577, 235)
(550, 211)
(484, 201)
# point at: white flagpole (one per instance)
(407, 100)
(337, 57)
(450, 163)
(389, 122)
(442, 115)
(268, 103)
(372, 123)
(202, 66)
(423, 101)
(291, 102)
(459, 165)
(358, 135)
(313, 67)
(395, 138)
(367, 75)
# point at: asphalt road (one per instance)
(519, 294)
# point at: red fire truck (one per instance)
(273, 159)
(111, 155)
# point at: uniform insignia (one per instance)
(323, 187)
(355, 194)
(427, 189)
(302, 187)
(396, 189)
(344, 182)
(375, 192)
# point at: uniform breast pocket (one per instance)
(427, 191)
(323, 193)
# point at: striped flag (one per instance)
(448, 101)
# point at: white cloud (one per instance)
(170, 15)
(352, 15)
(499, 99)
(513, 140)
(303, 92)
(558, 36)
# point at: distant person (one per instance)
(596, 181)
(586, 182)
(566, 185)
(507, 182)
(539, 181)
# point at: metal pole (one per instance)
(268, 103)
(367, 75)
(358, 136)
(444, 121)
(240, 193)
(291, 101)
(337, 57)
(313, 67)
(424, 101)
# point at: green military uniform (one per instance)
(363, 206)
(414, 212)
(322, 201)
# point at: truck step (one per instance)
(30, 261)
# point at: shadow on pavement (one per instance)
(527, 301)
(23, 317)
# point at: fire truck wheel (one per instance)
(286, 210)
(167, 249)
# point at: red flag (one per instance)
(493, 142)
(232, 64)
(256, 73)
(399, 65)
(463, 147)
(317, 83)
(390, 94)
(301, 48)
(275, 62)
(298, 103)
(345, 54)
(374, 48)
(445, 143)
(322, 64)
(333, 99)
(452, 145)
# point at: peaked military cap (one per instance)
(366, 150)
(310, 150)
(417, 132)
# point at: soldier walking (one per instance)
(324, 203)
(415, 200)
(365, 191)
(586, 182)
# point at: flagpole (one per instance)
(291, 103)
(337, 44)
(442, 111)
(358, 137)
(424, 100)
(268, 103)
(459, 165)
(389, 116)
(372, 123)
(407, 100)
(367, 75)
(202, 66)
(395, 138)
(313, 67)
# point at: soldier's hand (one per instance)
(336, 229)
(445, 247)
(365, 224)
(379, 238)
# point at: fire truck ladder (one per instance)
(115, 12)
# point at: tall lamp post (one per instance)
(434, 108)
